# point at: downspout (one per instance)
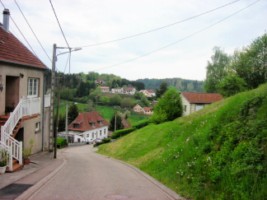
(43, 112)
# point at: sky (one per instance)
(181, 50)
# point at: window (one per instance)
(185, 108)
(76, 125)
(37, 127)
(33, 84)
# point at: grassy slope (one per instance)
(217, 153)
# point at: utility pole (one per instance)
(53, 77)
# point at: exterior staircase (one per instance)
(10, 125)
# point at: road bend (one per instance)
(87, 175)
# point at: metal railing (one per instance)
(25, 107)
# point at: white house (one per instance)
(148, 93)
(193, 101)
(90, 126)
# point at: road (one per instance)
(87, 175)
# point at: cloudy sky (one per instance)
(178, 50)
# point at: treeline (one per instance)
(78, 86)
(181, 84)
(245, 69)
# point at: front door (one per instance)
(12, 93)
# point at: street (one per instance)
(87, 175)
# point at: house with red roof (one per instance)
(24, 119)
(89, 126)
(193, 101)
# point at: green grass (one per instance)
(217, 153)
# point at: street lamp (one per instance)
(54, 59)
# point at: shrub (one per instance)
(141, 124)
(123, 132)
(61, 142)
(105, 140)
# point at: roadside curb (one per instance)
(170, 193)
(28, 193)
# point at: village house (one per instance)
(148, 93)
(24, 107)
(104, 89)
(88, 126)
(117, 90)
(193, 101)
(143, 110)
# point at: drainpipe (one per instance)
(43, 118)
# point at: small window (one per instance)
(33, 86)
(184, 107)
(76, 125)
(37, 127)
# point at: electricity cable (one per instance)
(162, 27)
(182, 39)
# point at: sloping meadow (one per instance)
(219, 152)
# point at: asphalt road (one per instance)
(87, 175)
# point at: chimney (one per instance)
(6, 15)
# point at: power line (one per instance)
(182, 39)
(162, 27)
(32, 30)
(54, 11)
(20, 31)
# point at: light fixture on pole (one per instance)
(53, 132)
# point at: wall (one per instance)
(187, 104)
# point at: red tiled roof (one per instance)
(84, 122)
(147, 109)
(203, 98)
(13, 51)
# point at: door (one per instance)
(12, 93)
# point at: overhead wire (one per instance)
(182, 39)
(161, 27)
(62, 32)
(32, 30)
(20, 31)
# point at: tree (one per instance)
(251, 63)
(169, 106)
(216, 70)
(162, 89)
(115, 121)
(115, 100)
(231, 84)
(73, 112)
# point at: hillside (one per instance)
(217, 153)
(181, 84)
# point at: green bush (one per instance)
(61, 142)
(141, 124)
(123, 132)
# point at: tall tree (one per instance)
(116, 121)
(73, 112)
(169, 106)
(216, 70)
(251, 63)
(162, 89)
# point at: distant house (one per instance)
(148, 111)
(129, 90)
(100, 82)
(148, 93)
(104, 89)
(193, 101)
(144, 110)
(137, 108)
(117, 90)
(90, 126)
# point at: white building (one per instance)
(90, 126)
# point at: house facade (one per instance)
(193, 101)
(143, 110)
(148, 93)
(24, 114)
(104, 89)
(90, 126)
